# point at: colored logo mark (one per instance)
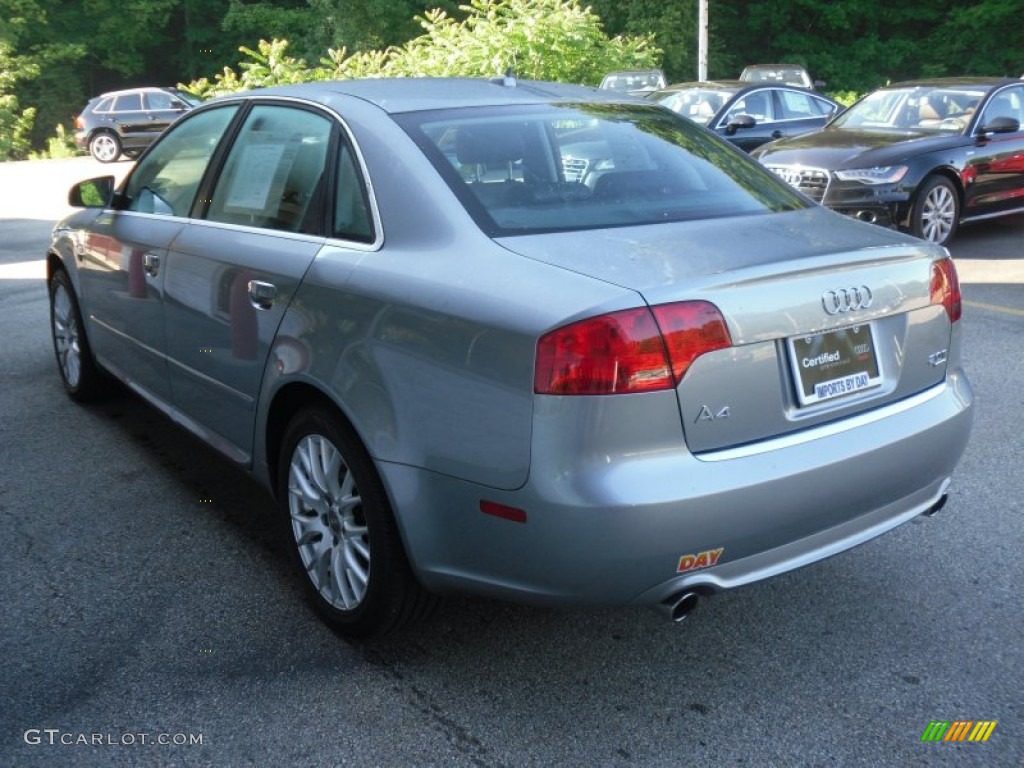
(958, 730)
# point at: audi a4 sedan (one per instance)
(461, 359)
(749, 115)
(922, 156)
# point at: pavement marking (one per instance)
(994, 308)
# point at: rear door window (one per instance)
(274, 174)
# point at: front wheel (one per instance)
(344, 537)
(82, 378)
(936, 211)
(105, 147)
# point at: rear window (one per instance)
(556, 168)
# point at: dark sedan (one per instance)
(749, 114)
(923, 156)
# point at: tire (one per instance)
(936, 211)
(342, 532)
(105, 146)
(82, 377)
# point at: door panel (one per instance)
(121, 272)
(230, 279)
(123, 262)
(996, 162)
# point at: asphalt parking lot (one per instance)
(150, 616)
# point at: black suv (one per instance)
(128, 121)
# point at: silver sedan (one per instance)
(527, 340)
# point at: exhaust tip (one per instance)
(930, 512)
(869, 216)
(679, 606)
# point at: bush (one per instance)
(58, 146)
(540, 40)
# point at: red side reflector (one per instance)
(502, 511)
(945, 288)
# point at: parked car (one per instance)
(464, 361)
(749, 115)
(922, 156)
(128, 121)
(781, 74)
(635, 82)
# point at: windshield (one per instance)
(550, 168)
(784, 75)
(929, 109)
(633, 81)
(698, 104)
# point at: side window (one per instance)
(797, 106)
(757, 104)
(273, 176)
(106, 105)
(166, 180)
(128, 102)
(158, 100)
(351, 212)
(1007, 103)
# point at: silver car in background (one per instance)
(526, 340)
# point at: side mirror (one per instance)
(179, 106)
(92, 193)
(738, 122)
(1000, 125)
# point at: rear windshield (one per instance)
(556, 168)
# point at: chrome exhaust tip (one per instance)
(930, 512)
(869, 216)
(678, 607)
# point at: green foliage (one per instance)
(846, 98)
(15, 126)
(15, 122)
(539, 39)
(123, 31)
(268, 65)
(60, 145)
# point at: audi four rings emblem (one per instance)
(846, 299)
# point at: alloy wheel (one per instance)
(328, 523)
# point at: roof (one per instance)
(950, 82)
(413, 94)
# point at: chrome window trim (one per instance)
(378, 229)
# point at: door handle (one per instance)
(151, 264)
(262, 294)
(778, 134)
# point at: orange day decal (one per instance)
(701, 560)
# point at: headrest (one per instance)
(489, 144)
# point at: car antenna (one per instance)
(508, 80)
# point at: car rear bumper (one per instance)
(620, 528)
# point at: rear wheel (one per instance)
(82, 378)
(105, 147)
(936, 211)
(342, 530)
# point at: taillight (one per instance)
(945, 288)
(80, 123)
(635, 350)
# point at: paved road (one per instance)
(146, 597)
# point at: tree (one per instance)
(15, 123)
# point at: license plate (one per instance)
(834, 364)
